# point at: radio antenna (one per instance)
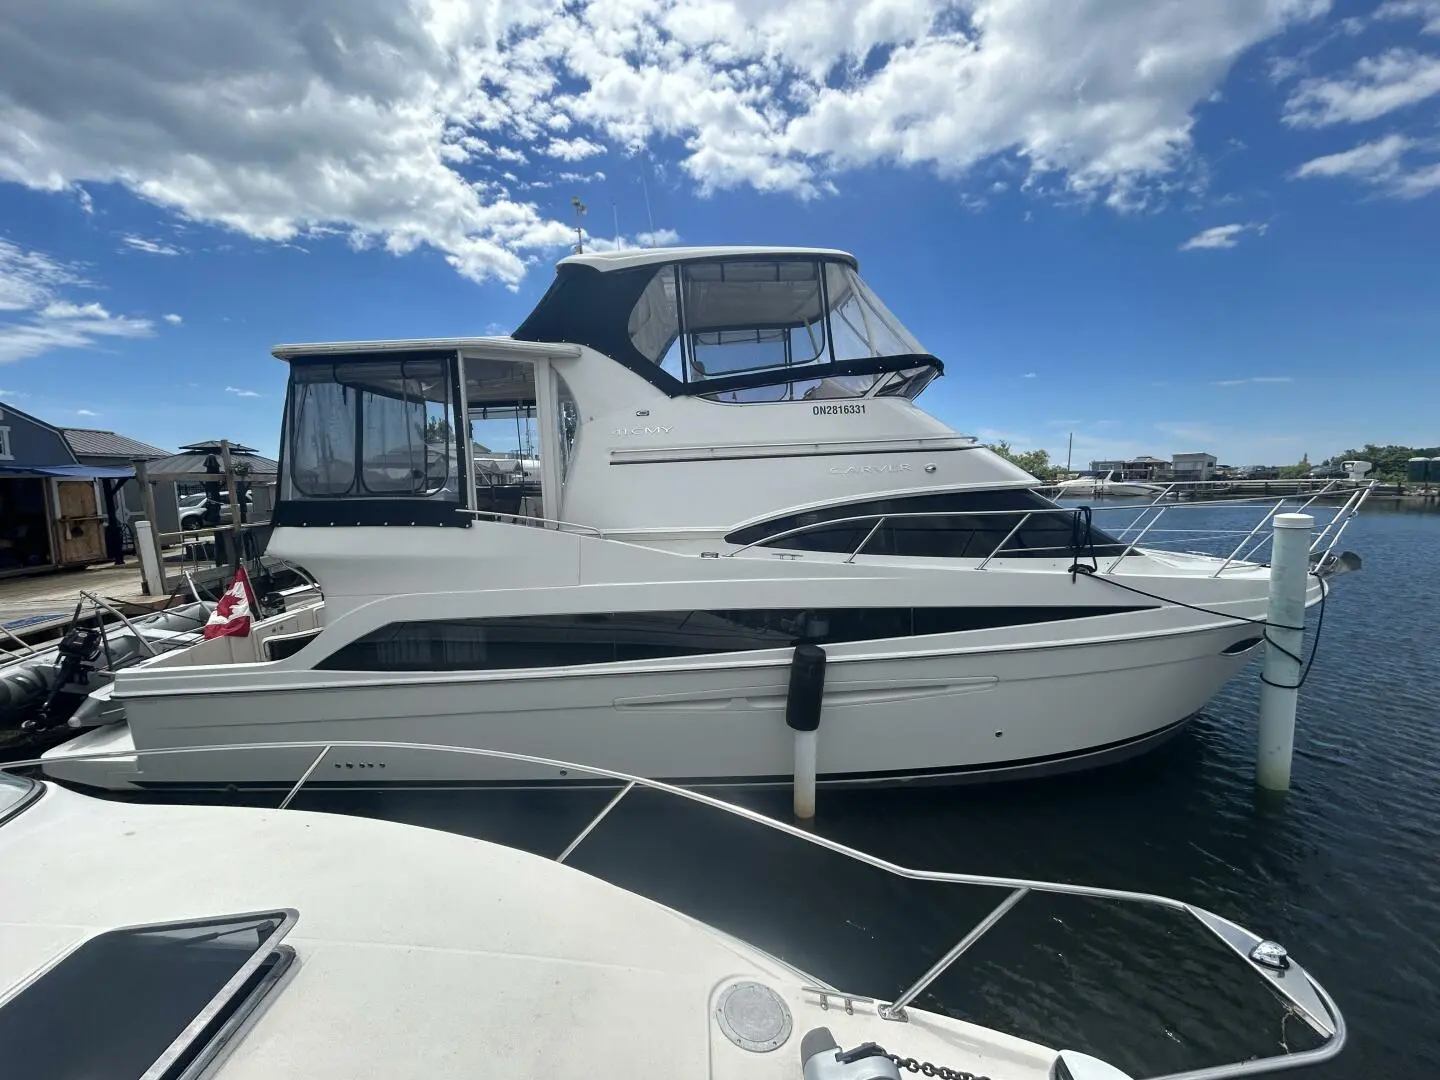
(580, 209)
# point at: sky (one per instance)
(1157, 226)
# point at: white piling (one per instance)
(805, 774)
(804, 702)
(1289, 576)
(152, 569)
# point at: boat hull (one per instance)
(930, 714)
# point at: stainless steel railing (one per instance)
(1251, 542)
(1301, 993)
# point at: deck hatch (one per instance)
(150, 1002)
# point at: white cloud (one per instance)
(370, 117)
(29, 279)
(1382, 164)
(246, 116)
(172, 319)
(85, 412)
(1371, 160)
(1375, 86)
(658, 238)
(11, 394)
(1427, 11)
(240, 393)
(1219, 236)
(1028, 375)
(31, 283)
(1255, 379)
(573, 149)
(150, 247)
(1417, 182)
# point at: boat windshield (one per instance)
(714, 320)
(742, 328)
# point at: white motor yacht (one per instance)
(1107, 486)
(170, 942)
(732, 464)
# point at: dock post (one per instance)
(1284, 643)
(802, 714)
(152, 569)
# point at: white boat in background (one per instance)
(236, 943)
(1107, 486)
(732, 465)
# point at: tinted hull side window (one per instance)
(965, 525)
(543, 641)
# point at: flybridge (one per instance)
(373, 429)
(735, 325)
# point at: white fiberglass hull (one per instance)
(1115, 489)
(922, 714)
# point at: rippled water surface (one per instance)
(1344, 870)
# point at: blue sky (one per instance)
(1158, 224)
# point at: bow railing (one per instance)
(1142, 526)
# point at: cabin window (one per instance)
(322, 434)
(860, 324)
(728, 318)
(543, 641)
(149, 1000)
(955, 525)
(655, 320)
(743, 317)
(378, 429)
(405, 430)
(567, 417)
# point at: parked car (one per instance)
(192, 510)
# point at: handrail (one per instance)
(1276, 503)
(588, 530)
(814, 525)
(1008, 537)
(874, 529)
(102, 603)
(1267, 518)
(1135, 543)
(1300, 992)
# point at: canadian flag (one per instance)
(231, 617)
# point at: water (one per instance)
(1343, 869)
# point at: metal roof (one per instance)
(191, 466)
(212, 446)
(620, 260)
(68, 472)
(92, 442)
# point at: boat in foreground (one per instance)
(732, 464)
(238, 943)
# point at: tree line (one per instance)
(1390, 461)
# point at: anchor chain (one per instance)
(926, 1068)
